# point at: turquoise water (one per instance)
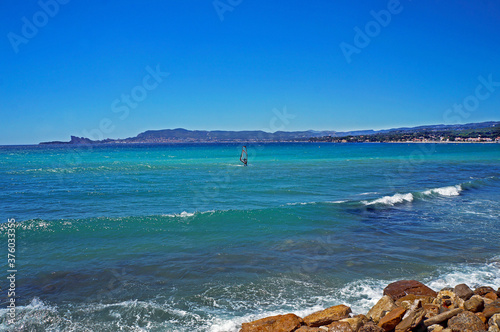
(184, 238)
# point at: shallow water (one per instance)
(183, 238)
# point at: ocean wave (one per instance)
(445, 191)
(391, 200)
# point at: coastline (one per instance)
(405, 306)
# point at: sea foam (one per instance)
(391, 200)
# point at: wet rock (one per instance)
(463, 291)
(448, 300)
(393, 318)
(491, 295)
(355, 322)
(339, 327)
(491, 309)
(442, 317)
(411, 320)
(474, 304)
(371, 327)
(327, 316)
(435, 328)
(398, 289)
(283, 323)
(482, 291)
(466, 322)
(384, 305)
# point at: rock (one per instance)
(482, 317)
(283, 323)
(442, 317)
(474, 304)
(482, 291)
(411, 321)
(447, 330)
(466, 322)
(431, 310)
(493, 329)
(384, 305)
(463, 291)
(339, 327)
(393, 318)
(494, 320)
(371, 327)
(406, 300)
(398, 289)
(310, 329)
(435, 328)
(448, 300)
(327, 316)
(491, 295)
(355, 322)
(491, 309)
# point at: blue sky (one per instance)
(67, 67)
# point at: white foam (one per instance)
(445, 191)
(183, 214)
(391, 200)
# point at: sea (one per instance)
(183, 237)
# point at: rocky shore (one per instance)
(406, 306)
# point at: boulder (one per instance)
(393, 318)
(494, 320)
(493, 329)
(310, 329)
(431, 310)
(411, 320)
(407, 300)
(282, 323)
(339, 326)
(483, 290)
(356, 322)
(384, 305)
(442, 317)
(474, 304)
(482, 317)
(327, 316)
(491, 295)
(435, 328)
(463, 291)
(491, 309)
(448, 300)
(398, 289)
(466, 322)
(371, 327)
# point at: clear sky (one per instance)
(71, 67)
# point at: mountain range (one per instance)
(181, 135)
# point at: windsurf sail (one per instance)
(244, 155)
